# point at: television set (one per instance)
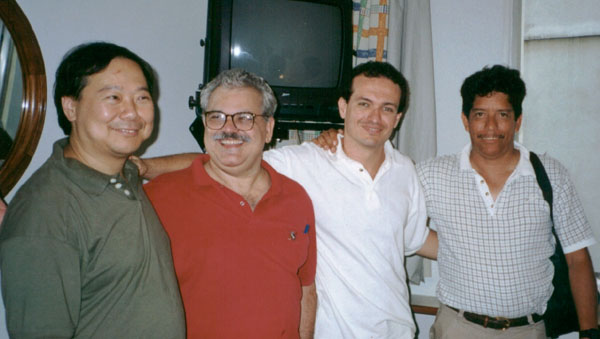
(303, 48)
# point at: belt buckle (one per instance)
(506, 322)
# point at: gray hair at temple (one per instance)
(239, 78)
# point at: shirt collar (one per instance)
(340, 155)
(523, 168)
(202, 178)
(87, 178)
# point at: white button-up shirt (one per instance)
(365, 227)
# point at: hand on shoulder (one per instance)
(327, 140)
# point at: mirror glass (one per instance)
(22, 94)
(11, 92)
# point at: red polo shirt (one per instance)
(240, 271)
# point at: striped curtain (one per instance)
(370, 25)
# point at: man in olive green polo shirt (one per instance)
(82, 253)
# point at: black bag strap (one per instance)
(544, 183)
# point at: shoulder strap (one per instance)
(543, 181)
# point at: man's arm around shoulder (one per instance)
(150, 168)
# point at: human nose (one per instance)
(129, 109)
(491, 123)
(375, 114)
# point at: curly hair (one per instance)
(495, 79)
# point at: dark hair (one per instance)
(496, 79)
(85, 60)
(376, 69)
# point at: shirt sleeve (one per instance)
(308, 270)
(416, 230)
(41, 284)
(571, 224)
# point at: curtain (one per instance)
(370, 25)
(407, 45)
(399, 32)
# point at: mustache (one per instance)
(232, 135)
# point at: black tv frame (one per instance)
(298, 107)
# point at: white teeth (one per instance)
(231, 141)
(127, 131)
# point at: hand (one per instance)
(327, 140)
(141, 165)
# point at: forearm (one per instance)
(430, 247)
(159, 165)
(583, 287)
(308, 312)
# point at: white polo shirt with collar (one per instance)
(365, 227)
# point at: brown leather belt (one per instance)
(498, 323)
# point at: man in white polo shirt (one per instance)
(369, 211)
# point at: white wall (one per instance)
(467, 35)
(165, 33)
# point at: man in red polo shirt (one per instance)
(242, 235)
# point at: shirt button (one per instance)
(242, 203)
(118, 185)
(113, 180)
(361, 169)
(482, 181)
(487, 193)
(492, 205)
(126, 192)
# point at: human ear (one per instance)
(270, 127)
(465, 121)
(69, 106)
(342, 104)
(518, 123)
(398, 118)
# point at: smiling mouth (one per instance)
(231, 141)
(491, 137)
(372, 129)
(127, 131)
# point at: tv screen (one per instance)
(289, 43)
(303, 48)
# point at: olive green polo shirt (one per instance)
(83, 255)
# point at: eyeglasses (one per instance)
(244, 121)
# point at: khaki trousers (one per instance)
(449, 324)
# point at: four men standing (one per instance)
(243, 235)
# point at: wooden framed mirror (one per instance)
(33, 97)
